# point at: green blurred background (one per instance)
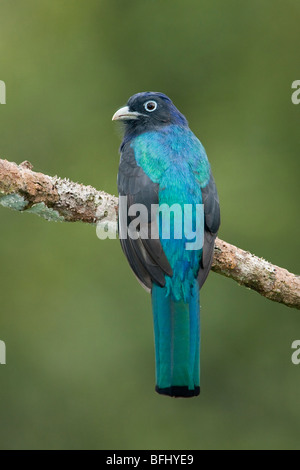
(77, 325)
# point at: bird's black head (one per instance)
(149, 111)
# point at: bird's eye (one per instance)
(150, 106)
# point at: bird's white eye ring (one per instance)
(150, 106)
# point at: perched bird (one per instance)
(163, 163)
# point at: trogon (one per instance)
(164, 165)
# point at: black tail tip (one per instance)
(178, 391)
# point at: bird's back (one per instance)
(175, 160)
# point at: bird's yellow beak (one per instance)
(125, 114)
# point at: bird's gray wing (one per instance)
(210, 200)
(145, 255)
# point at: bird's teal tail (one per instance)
(177, 343)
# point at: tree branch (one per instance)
(59, 199)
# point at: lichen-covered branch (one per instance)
(248, 270)
(62, 200)
(51, 197)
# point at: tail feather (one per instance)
(177, 343)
